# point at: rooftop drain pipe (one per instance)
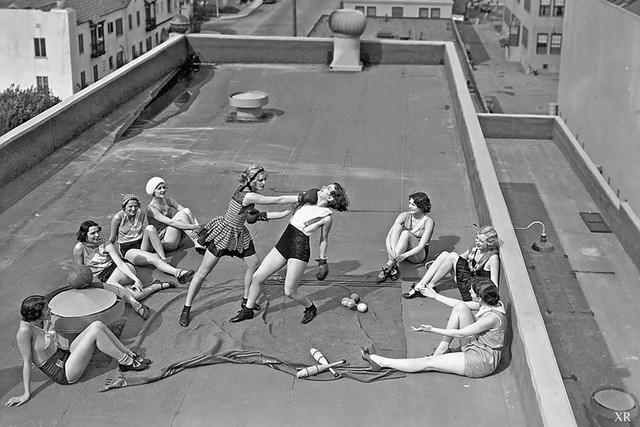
(541, 245)
(347, 25)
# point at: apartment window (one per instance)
(133, 52)
(110, 28)
(150, 15)
(527, 5)
(130, 22)
(118, 27)
(97, 40)
(96, 77)
(423, 12)
(556, 44)
(435, 12)
(140, 48)
(545, 7)
(138, 18)
(396, 12)
(111, 62)
(514, 31)
(360, 8)
(169, 6)
(541, 45)
(83, 80)
(371, 11)
(149, 46)
(525, 37)
(42, 82)
(558, 8)
(81, 43)
(40, 46)
(157, 39)
(120, 59)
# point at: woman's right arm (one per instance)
(431, 293)
(24, 345)
(77, 254)
(259, 199)
(115, 225)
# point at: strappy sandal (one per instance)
(382, 276)
(365, 353)
(394, 274)
(164, 285)
(413, 293)
(144, 311)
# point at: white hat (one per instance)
(152, 184)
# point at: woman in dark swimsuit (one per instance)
(481, 260)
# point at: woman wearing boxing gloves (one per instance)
(228, 235)
(293, 250)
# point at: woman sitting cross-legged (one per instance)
(481, 335)
(41, 345)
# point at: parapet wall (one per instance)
(542, 390)
(31, 142)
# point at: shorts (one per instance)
(55, 367)
(125, 247)
(294, 244)
(219, 253)
(480, 362)
(104, 275)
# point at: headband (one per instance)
(248, 184)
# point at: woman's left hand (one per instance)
(422, 328)
(400, 258)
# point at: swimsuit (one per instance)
(482, 353)
(294, 242)
(130, 231)
(467, 268)
(99, 261)
(46, 353)
(417, 231)
(228, 234)
(169, 211)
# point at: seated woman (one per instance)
(41, 345)
(481, 260)
(108, 267)
(136, 239)
(171, 220)
(481, 336)
(409, 236)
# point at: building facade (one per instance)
(67, 45)
(599, 89)
(402, 8)
(532, 33)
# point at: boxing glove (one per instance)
(308, 197)
(323, 269)
(254, 215)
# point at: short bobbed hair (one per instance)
(81, 236)
(492, 237)
(31, 309)
(421, 200)
(340, 201)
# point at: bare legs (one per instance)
(151, 241)
(208, 262)
(453, 363)
(141, 258)
(173, 236)
(444, 264)
(273, 262)
(119, 278)
(95, 335)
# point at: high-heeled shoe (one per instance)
(413, 293)
(365, 353)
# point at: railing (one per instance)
(151, 24)
(97, 49)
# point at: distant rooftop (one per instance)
(630, 5)
(86, 10)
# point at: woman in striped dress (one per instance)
(228, 235)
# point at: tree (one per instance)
(18, 105)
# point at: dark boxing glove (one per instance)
(254, 215)
(323, 269)
(310, 196)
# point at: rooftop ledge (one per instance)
(543, 394)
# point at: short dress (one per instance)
(99, 261)
(228, 234)
(483, 353)
(468, 268)
(46, 352)
(130, 231)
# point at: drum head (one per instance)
(81, 302)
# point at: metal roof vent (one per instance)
(249, 105)
(348, 25)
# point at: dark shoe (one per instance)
(185, 276)
(144, 311)
(365, 353)
(140, 359)
(309, 314)
(413, 294)
(135, 366)
(394, 274)
(201, 250)
(382, 276)
(184, 316)
(244, 314)
(256, 306)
